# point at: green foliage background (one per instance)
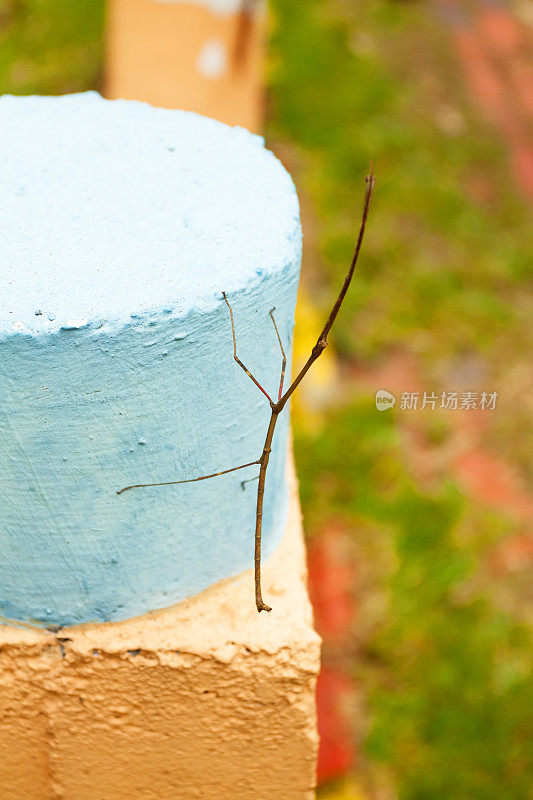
(446, 276)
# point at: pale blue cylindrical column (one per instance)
(121, 227)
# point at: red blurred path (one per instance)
(331, 584)
(496, 52)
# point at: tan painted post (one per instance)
(199, 55)
(207, 699)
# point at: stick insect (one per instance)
(277, 406)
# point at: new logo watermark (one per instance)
(384, 400)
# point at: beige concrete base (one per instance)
(183, 55)
(207, 699)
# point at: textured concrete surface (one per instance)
(116, 352)
(207, 699)
(200, 56)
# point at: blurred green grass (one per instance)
(446, 274)
(50, 46)
(445, 671)
(446, 258)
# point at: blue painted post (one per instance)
(121, 227)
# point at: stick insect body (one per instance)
(278, 405)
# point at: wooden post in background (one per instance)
(199, 55)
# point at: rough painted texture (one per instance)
(122, 224)
(205, 700)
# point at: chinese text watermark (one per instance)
(451, 401)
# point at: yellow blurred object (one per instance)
(348, 791)
(319, 388)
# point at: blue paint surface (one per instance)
(122, 225)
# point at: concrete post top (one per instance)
(115, 210)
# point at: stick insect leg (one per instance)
(284, 364)
(188, 480)
(239, 362)
(249, 480)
